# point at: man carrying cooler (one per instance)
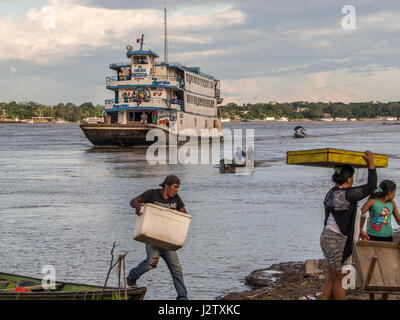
(166, 197)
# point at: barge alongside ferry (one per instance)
(151, 95)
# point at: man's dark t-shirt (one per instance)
(155, 196)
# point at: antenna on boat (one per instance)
(141, 43)
(165, 34)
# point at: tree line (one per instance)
(68, 112)
(312, 110)
(294, 110)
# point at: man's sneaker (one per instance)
(131, 282)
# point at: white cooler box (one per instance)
(162, 227)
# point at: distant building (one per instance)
(269, 119)
(272, 103)
(302, 109)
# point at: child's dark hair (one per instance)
(342, 173)
(384, 188)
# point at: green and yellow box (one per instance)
(330, 157)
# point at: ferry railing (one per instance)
(120, 64)
(187, 69)
(157, 102)
(155, 80)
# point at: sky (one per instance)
(55, 51)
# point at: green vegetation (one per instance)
(312, 110)
(294, 110)
(69, 112)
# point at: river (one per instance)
(64, 203)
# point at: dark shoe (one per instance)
(131, 282)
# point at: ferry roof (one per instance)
(141, 53)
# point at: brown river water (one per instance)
(64, 203)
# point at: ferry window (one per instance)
(142, 60)
(195, 122)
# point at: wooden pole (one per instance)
(109, 270)
(125, 289)
(370, 271)
(119, 277)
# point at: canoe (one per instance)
(63, 290)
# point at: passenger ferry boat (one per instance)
(155, 95)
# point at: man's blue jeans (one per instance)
(172, 261)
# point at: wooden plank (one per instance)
(376, 244)
(371, 270)
(358, 265)
(389, 264)
(364, 254)
(385, 276)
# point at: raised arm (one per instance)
(358, 193)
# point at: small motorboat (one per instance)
(27, 288)
(300, 132)
(240, 168)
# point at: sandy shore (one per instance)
(289, 281)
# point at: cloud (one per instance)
(80, 30)
(338, 85)
(243, 43)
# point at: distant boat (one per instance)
(300, 132)
(16, 287)
(228, 166)
(225, 120)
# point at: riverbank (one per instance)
(295, 280)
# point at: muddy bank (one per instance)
(293, 280)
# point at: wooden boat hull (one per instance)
(64, 291)
(231, 167)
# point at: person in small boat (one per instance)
(381, 207)
(340, 214)
(250, 153)
(300, 131)
(166, 197)
(239, 156)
